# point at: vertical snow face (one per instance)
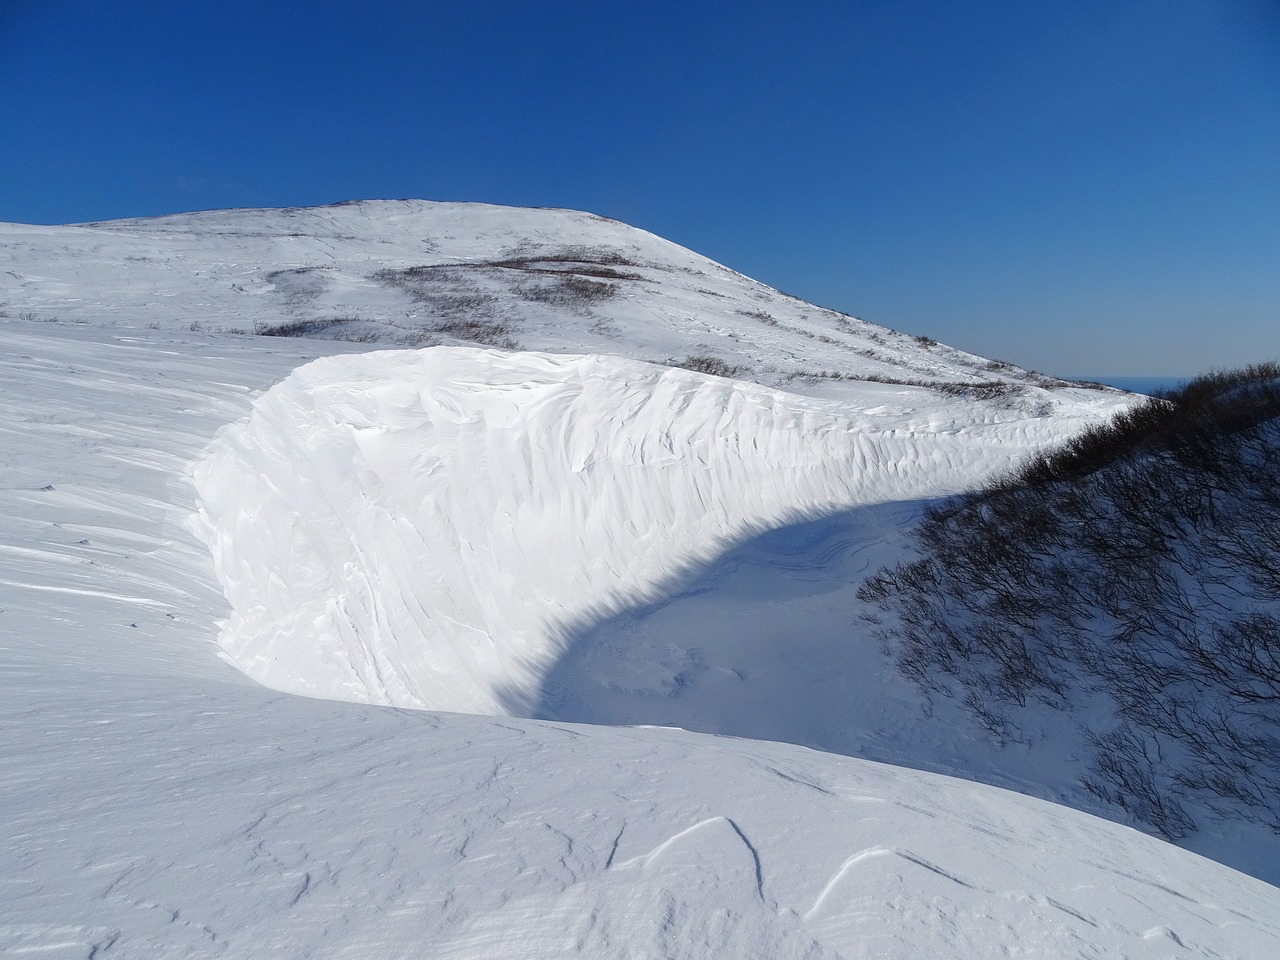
(422, 528)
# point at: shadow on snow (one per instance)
(761, 641)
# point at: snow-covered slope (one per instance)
(571, 533)
(156, 802)
(421, 527)
(417, 273)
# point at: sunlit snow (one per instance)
(501, 535)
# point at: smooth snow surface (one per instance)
(519, 533)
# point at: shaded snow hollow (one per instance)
(423, 528)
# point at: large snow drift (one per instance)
(421, 528)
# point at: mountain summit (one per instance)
(414, 273)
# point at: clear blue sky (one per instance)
(1082, 187)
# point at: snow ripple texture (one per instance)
(422, 528)
(155, 803)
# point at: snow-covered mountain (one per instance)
(409, 273)
(512, 535)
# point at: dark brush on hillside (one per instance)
(1135, 569)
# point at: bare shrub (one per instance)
(762, 316)
(971, 389)
(460, 303)
(573, 261)
(573, 278)
(356, 336)
(320, 327)
(442, 289)
(814, 376)
(564, 268)
(578, 255)
(568, 290)
(1137, 566)
(432, 273)
(704, 363)
(478, 331)
(297, 285)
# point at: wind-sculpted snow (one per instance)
(421, 528)
(155, 802)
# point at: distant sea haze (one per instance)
(1147, 385)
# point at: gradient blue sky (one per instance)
(1083, 187)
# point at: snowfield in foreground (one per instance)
(522, 539)
(157, 802)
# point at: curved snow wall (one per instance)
(419, 528)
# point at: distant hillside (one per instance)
(414, 273)
(1129, 582)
